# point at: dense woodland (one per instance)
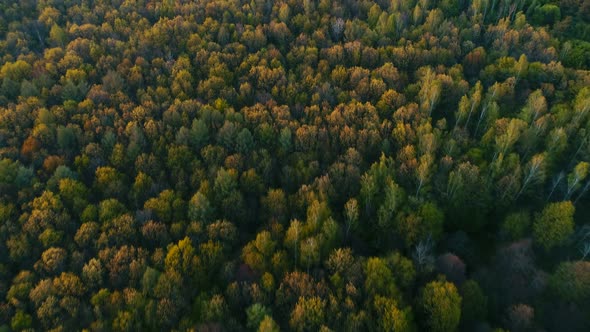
(233, 165)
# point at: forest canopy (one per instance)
(233, 165)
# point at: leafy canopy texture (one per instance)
(294, 165)
(440, 304)
(554, 224)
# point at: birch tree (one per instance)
(574, 179)
(534, 172)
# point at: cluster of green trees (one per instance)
(387, 165)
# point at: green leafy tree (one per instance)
(308, 314)
(268, 325)
(259, 252)
(474, 304)
(181, 258)
(516, 224)
(57, 35)
(168, 206)
(570, 281)
(379, 280)
(199, 208)
(390, 317)
(554, 224)
(74, 194)
(351, 215)
(440, 306)
(256, 314)
(244, 141)
(574, 179)
(21, 321)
